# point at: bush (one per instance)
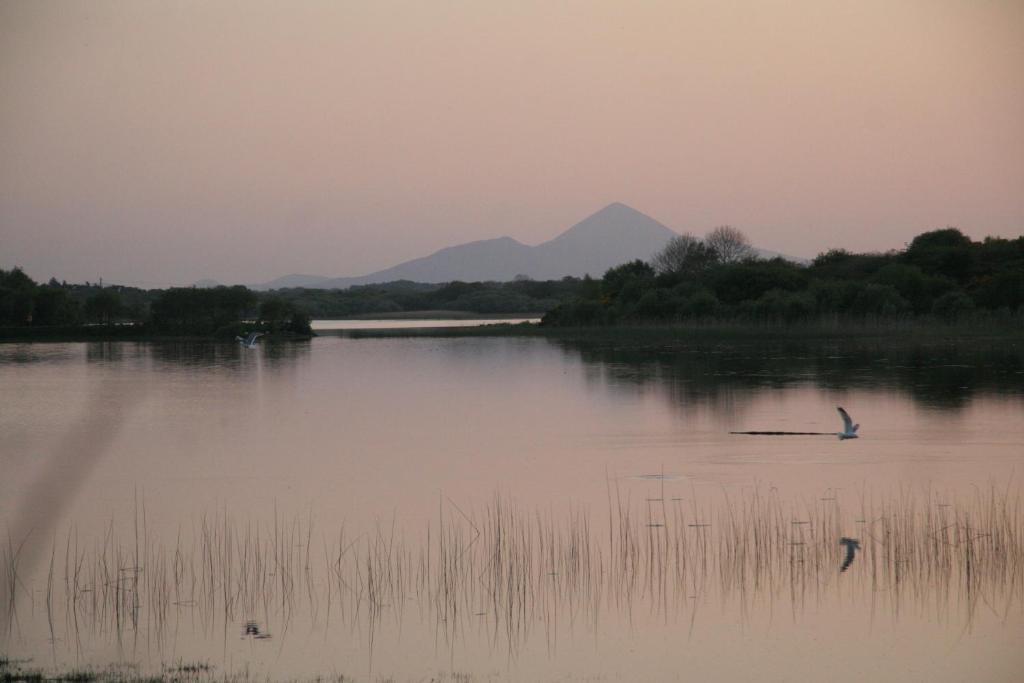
(749, 280)
(634, 277)
(953, 305)
(702, 304)
(577, 314)
(784, 306)
(1002, 290)
(879, 300)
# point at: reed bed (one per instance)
(508, 570)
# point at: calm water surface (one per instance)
(167, 494)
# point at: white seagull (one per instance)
(250, 341)
(849, 429)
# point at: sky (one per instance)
(158, 143)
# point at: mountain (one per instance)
(497, 259)
(612, 236)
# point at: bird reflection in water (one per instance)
(252, 630)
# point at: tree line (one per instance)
(225, 311)
(941, 273)
(521, 295)
(217, 311)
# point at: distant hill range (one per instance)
(612, 236)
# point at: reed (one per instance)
(514, 569)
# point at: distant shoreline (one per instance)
(912, 329)
(119, 333)
(435, 315)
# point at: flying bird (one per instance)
(849, 429)
(250, 341)
(852, 545)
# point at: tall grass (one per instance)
(514, 569)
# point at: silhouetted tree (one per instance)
(945, 252)
(16, 297)
(684, 255)
(53, 306)
(628, 277)
(729, 244)
(103, 306)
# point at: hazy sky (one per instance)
(162, 142)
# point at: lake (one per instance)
(515, 508)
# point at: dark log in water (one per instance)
(788, 433)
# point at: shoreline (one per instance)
(918, 329)
(914, 330)
(29, 335)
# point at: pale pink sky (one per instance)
(159, 143)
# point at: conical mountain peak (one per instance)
(616, 222)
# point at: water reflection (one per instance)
(378, 504)
(81, 446)
(944, 375)
(217, 355)
(105, 352)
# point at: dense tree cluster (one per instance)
(24, 302)
(222, 311)
(204, 311)
(942, 273)
(519, 296)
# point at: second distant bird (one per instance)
(250, 341)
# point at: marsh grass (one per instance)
(198, 672)
(505, 571)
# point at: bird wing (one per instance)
(847, 422)
(848, 560)
(251, 338)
